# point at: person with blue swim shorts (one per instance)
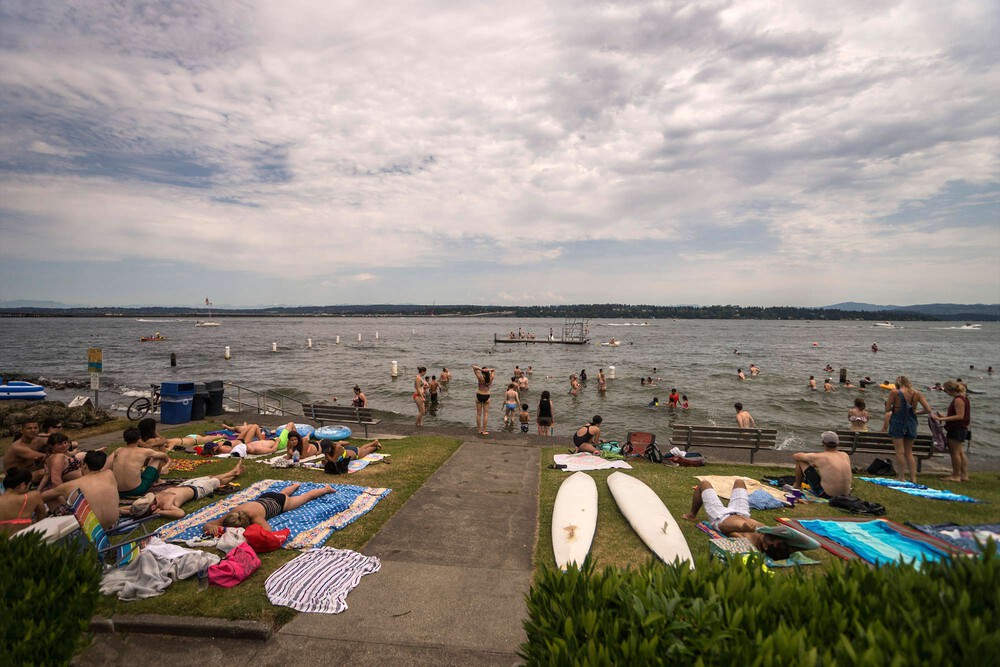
(902, 403)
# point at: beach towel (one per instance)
(186, 465)
(319, 580)
(877, 541)
(920, 490)
(964, 537)
(723, 485)
(585, 461)
(309, 525)
(797, 557)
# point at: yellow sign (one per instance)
(95, 360)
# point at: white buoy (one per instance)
(393, 369)
(338, 340)
(376, 335)
(359, 338)
(309, 343)
(413, 331)
(611, 372)
(274, 347)
(227, 353)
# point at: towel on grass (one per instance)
(186, 465)
(920, 490)
(157, 566)
(963, 537)
(585, 461)
(797, 557)
(723, 485)
(310, 525)
(319, 580)
(762, 500)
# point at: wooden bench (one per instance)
(876, 442)
(340, 415)
(695, 437)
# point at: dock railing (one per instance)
(265, 402)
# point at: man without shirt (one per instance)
(23, 454)
(130, 465)
(828, 473)
(98, 485)
(743, 418)
(167, 503)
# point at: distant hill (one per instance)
(981, 312)
(26, 303)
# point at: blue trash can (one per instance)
(176, 400)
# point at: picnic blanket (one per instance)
(963, 537)
(316, 463)
(186, 465)
(310, 525)
(876, 541)
(919, 490)
(797, 557)
(585, 461)
(723, 485)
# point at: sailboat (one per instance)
(209, 323)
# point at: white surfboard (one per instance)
(574, 519)
(650, 518)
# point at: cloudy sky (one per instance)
(324, 152)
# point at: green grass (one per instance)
(119, 424)
(615, 543)
(413, 460)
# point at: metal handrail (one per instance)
(263, 401)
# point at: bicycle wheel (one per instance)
(139, 408)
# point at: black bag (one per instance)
(653, 454)
(855, 505)
(881, 468)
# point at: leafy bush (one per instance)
(849, 614)
(47, 596)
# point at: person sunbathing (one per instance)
(296, 443)
(131, 465)
(168, 503)
(247, 432)
(267, 506)
(237, 448)
(98, 485)
(735, 521)
(337, 457)
(19, 506)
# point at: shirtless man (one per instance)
(167, 503)
(23, 453)
(740, 375)
(445, 376)
(19, 506)
(828, 473)
(735, 521)
(754, 371)
(267, 506)
(432, 389)
(812, 382)
(828, 385)
(130, 465)
(99, 486)
(743, 418)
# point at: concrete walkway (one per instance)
(456, 564)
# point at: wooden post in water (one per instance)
(843, 375)
(173, 359)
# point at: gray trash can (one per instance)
(200, 402)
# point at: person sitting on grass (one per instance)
(24, 454)
(131, 465)
(296, 443)
(266, 506)
(19, 506)
(337, 457)
(735, 521)
(98, 485)
(60, 465)
(167, 503)
(828, 473)
(588, 436)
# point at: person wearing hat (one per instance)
(828, 473)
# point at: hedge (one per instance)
(47, 594)
(718, 614)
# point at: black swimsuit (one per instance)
(582, 439)
(273, 503)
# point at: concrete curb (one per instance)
(183, 626)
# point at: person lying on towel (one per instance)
(267, 506)
(778, 542)
(337, 457)
(828, 473)
(167, 503)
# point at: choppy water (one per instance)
(696, 356)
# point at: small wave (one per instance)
(791, 442)
(623, 324)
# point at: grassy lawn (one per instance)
(615, 543)
(413, 460)
(115, 425)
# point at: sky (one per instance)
(335, 152)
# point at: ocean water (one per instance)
(695, 356)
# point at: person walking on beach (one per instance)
(743, 418)
(546, 417)
(484, 376)
(419, 387)
(902, 403)
(858, 416)
(956, 425)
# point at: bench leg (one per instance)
(920, 464)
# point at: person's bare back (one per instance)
(834, 469)
(101, 490)
(127, 463)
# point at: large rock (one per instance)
(12, 413)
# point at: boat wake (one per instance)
(623, 324)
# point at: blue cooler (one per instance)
(176, 400)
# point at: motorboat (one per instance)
(884, 325)
(611, 343)
(152, 339)
(968, 326)
(16, 390)
(208, 324)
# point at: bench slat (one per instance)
(752, 439)
(344, 414)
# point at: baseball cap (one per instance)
(830, 438)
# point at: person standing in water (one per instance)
(740, 375)
(484, 376)
(445, 376)
(602, 383)
(574, 386)
(743, 418)
(545, 418)
(432, 389)
(511, 401)
(360, 400)
(419, 387)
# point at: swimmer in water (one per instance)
(754, 371)
(812, 382)
(740, 375)
(655, 403)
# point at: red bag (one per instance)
(264, 541)
(238, 564)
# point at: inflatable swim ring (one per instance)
(332, 433)
(889, 385)
(305, 430)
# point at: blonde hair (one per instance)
(903, 381)
(236, 519)
(953, 385)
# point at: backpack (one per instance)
(855, 505)
(881, 468)
(653, 454)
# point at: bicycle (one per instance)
(143, 405)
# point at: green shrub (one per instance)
(47, 596)
(850, 614)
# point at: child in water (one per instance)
(684, 403)
(524, 417)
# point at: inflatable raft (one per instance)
(16, 390)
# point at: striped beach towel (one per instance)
(319, 580)
(95, 534)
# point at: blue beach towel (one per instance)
(875, 541)
(762, 500)
(963, 537)
(310, 525)
(920, 490)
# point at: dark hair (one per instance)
(95, 460)
(545, 395)
(55, 439)
(859, 403)
(50, 423)
(487, 377)
(357, 389)
(131, 435)
(16, 477)
(26, 421)
(596, 420)
(738, 406)
(434, 377)
(302, 442)
(524, 406)
(421, 369)
(147, 428)
(777, 549)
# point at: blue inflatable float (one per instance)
(305, 430)
(15, 390)
(332, 433)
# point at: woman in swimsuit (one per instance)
(484, 376)
(902, 402)
(602, 383)
(588, 435)
(18, 504)
(546, 419)
(360, 400)
(574, 386)
(296, 443)
(419, 386)
(858, 416)
(956, 426)
(510, 402)
(266, 506)
(60, 466)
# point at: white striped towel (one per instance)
(319, 580)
